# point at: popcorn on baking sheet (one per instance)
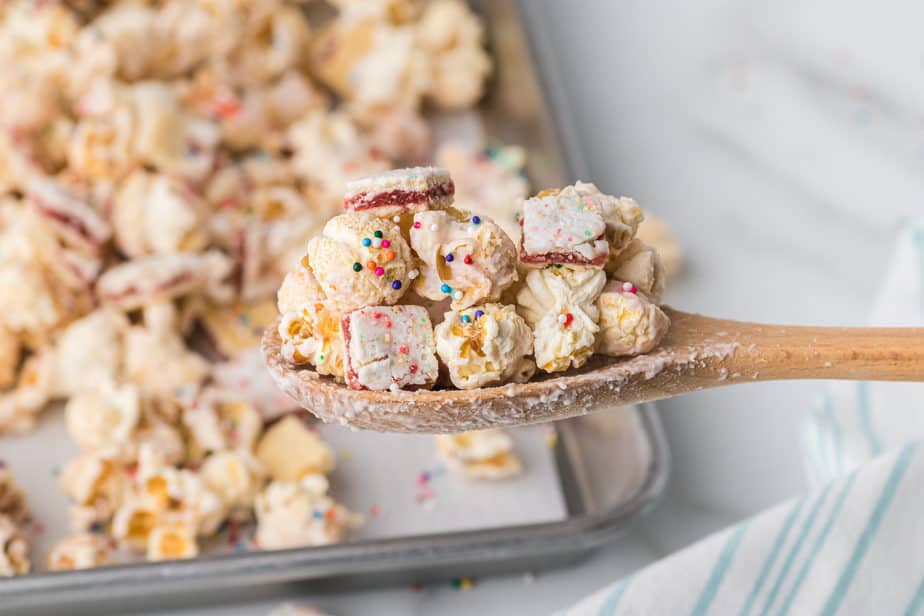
(236, 477)
(483, 454)
(485, 345)
(103, 419)
(630, 324)
(465, 257)
(300, 514)
(289, 450)
(97, 486)
(172, 541)
(559, 304)
(389, 347)
(13, 503)
(14, 549)
(80, 551)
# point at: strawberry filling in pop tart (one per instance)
(389, 347)
(563, 227)
(399, 191)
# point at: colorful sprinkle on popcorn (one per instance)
(366, 242)
(449, 258)
(357, 267)
(476, 220)
(445, 288)
(396, 285)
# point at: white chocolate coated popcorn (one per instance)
(156, 214)
(630, 323)
(311, 334)
(12, 499)
(641, 265)
(172, 541)
(485, 345)
(289, 450)
(80, 551)
(90, 352)
(300, 514)
(97, 485)
(465, 257)
(236, 477)
(360, 260)
(103, 419)
(559, 304)
(484, 454)
(14, 549)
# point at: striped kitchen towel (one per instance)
(853, 546)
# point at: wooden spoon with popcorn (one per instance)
(698, 353)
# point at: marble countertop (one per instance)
(784, 163)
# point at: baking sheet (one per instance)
(397, 481)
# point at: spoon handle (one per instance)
(775, 352)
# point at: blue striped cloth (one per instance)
(853, 546)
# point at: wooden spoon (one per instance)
(698, 353)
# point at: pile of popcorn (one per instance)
(361, 303)
(162, 162)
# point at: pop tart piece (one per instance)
(389, 347)
(564, 227)
(400, 191)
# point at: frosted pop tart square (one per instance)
(403, 190)
(563, 226)
(389, 347)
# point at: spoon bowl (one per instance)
(698, 353)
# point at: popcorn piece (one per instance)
(219, 420)
(489, 181)
(100, 148)
(372, 64)
(239, 328)
(19, 407)
(103, 419)
(300, 514)
(156, 214)
(563, 226)
(89, 352)
(400, 191)
(14, 549)
(172, 542)
(80, 551)
(402, 135)
(299, 287)
(559, 304)
(75, 221)
(360, 260)
(452, 37)
(629, 323)
(312, 335)
(145, 280)
(485, 345)
(13, 502)
(485, 454)
(656, 233)
(236, 477)
(10, 347)
(289, 451)
(177, 496)
(467, 258)
(134, 521)
(389, 347)
(330, 150)
(641, 265)
(97, 485)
